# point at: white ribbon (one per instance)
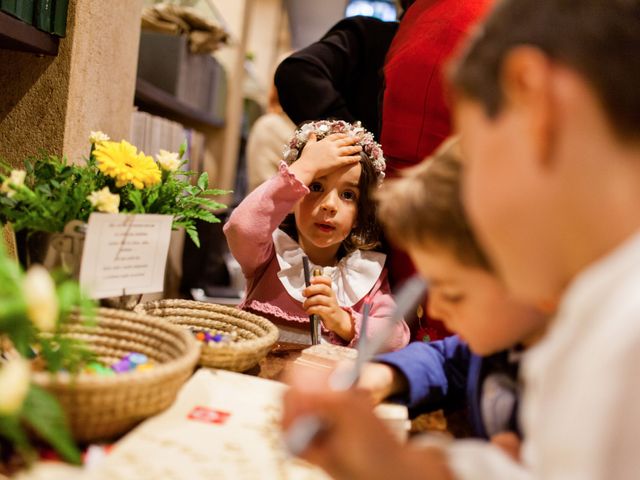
(352, 278)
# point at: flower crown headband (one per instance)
(323, 128)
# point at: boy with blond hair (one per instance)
(422, 213)
(549, 111)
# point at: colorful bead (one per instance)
(121, 366)
(137, 359)
(93, 367)
(105, 371)
(145, 367)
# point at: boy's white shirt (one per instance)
(581, 404)
(352, 278)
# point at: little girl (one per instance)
(330, 168)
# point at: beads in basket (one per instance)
(211, 337)
(134, 361)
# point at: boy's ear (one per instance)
(527, 84)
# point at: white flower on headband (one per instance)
(324, 128)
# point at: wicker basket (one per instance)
(255, 335)
(100, 407)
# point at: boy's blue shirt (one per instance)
(445, 373)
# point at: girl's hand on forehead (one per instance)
(319, 158)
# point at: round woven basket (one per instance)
(101, 407)
(255, 335)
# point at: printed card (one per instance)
(125, 254)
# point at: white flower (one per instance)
(15, 179)
(97, 137)
(293, 156)
(105, 201)
(14, 384)
(169, 161)
(42, 302)
(306, 129)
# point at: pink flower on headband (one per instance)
(323, 128)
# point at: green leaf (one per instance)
(136, 199)
(11, 429)
(42, 412)
(193, 234)
(22, 337)
(203, 181)
(183, 148)
(192, 190)
(202, 215)
(216, 191)
(153, 196)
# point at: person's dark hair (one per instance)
(598, 38)
(424, 208)
(366, 234)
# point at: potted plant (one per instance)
(49, 200)
(34, 308)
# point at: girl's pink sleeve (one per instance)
(382, 308)
(252, 223)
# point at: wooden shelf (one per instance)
(158, 102)
(18, 35)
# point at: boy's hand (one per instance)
(356, 444)
(319, 158)
(381, 381)
(321, 300)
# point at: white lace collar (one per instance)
(353, 277)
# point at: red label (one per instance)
(208, 415)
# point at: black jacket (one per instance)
(340, 76)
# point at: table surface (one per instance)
(272, 367)
(283, 354)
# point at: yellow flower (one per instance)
(105, 201)
(169, 161)
(42, 302)
(14, 384)
(97, 137)
(121, 161)
(16, 179)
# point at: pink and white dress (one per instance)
(271, 262)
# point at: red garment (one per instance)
(415, 115)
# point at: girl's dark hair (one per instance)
(598, 38)
(366, 234)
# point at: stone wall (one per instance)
(52, 103)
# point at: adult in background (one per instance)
(415, 114)
(362, 61)
(266, 141)
(339, 76)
